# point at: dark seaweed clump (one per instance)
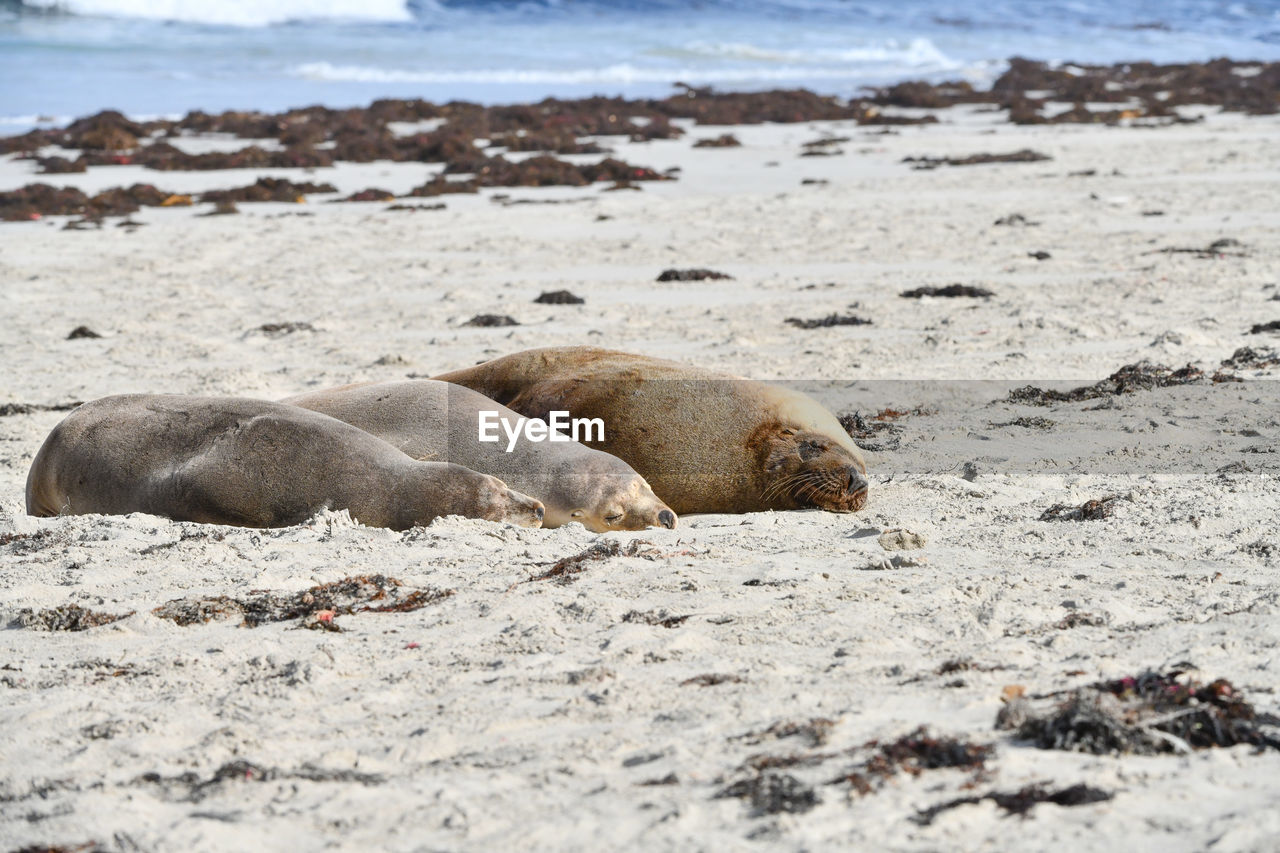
(559, 297)
(951, 291)
(67, 617)
(1097, 509)
(490, 320)
(725, 140)
(773, 793)
(828, 321)
(1259, 328)
(189, 787)
(1251, 358)
(913, 754)
(269, 189)
(1025, 155)
(692, 275)
(1141, 376)
(566, 569)
(1021, 801)
(1151, 713)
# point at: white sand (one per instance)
(528, 713)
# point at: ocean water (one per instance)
(64, 58)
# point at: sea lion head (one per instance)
(617, 499)
(477, 495)
(807, 467)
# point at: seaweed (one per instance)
(913, 754)
(269, 189)
(558, 297)
(692, 275)
(80, 332)
(828, 321)
(1147, 714)
(66, 617)
(655, 617)
(1259, 328)
(1097, 509)
(1025, 155)
(712, 679)
(189, 787)
(1140, 376)
(724, 140)
(773, 793)
(951, 291)
(490, 320)
(360, 594)
(1021, 801)
(564, 570)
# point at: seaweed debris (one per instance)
(1140, 376)
(773, 793)
(269, 189)
(711, 679)
(871, 434)
(360, 594)
(816, 731)
(1249, 358)
(655, 617)
(1259, 328)
(725, 140)
(189, 787)
(1096, 509)
(1021, 801)
(1025, 155)
(913, 754)
(80, 332)
(692, 275)
(67, 617)
(951, 291)
(565, 569)
(828, 321)
(559, 297)
(485, 321)
(1147, 714)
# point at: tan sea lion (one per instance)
(705, 441)
(435, 420)
(250, 463)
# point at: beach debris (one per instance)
(871, 434)
(80, 332)
(34, 201)
(1251, 358)
(1039, 255)
(558, 297)
(489, 320)
(1029, 423)
(66, 617)
(828, 321)
(1260, 328)
(359, 594)
(656, 617)
(1147, 714)
(692, 275)
(1025, 155)
(1078, 619)
(189, 787)
(951, 291)
(1016, 219)
(279, 330)
(669, 779)
(724, 140)
(816, 731)
(411, 208)
(1217, 249)
(371, 194)
(7, 409)
(814, 182)
(564, 570)
(1021, 801)
(773, 793)
(913, 754)
(440, 185)
(61, 165)
(1096, 509)
(1140, 376)
(900, 539)
(711, 679)
(269, 189)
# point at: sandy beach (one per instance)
(636, 700)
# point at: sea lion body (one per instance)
(250, 463)
(706, 442)
(427, 419)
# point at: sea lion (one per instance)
(705, 441)
(250, 463)
(435, 420)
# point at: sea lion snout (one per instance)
(667, 519)
(857, 488)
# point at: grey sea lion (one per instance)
(251, 463)
(435, 420)
(705, 441)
